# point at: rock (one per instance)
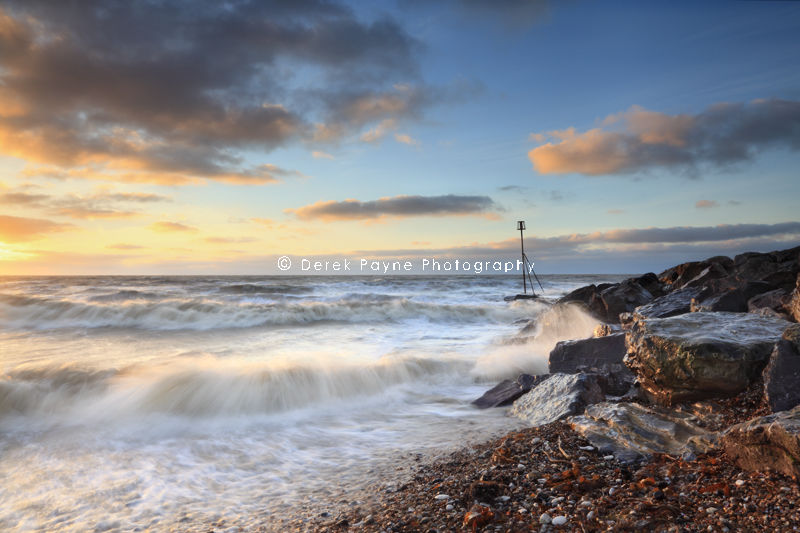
(782, 373)
(775, 300)
(778, 266)
(632, 432)
(588, 297)
(677, 276)
(711, 272)
(652, 284)
(604, 330)
(597, 353)
(545, 519)
(766, 443)
(700, 355)
(559, 520)
(505, 392)
(559, 396)
(623, 297)
(793, 307)
(675, 303)
(729, 295)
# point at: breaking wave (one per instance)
(204, 388)
(33, 312)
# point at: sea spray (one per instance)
(529, 351)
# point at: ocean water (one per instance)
(172, 403)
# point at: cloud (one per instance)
(170, 227)
(171, 94)
(123, 246)
(397, 206)
(21, 229)
(640, 140)
(229, 240)
(615, 211)
(100, 205)
(316, 154)
(405, 139)
(706, 204)
(512, 188)
(377, 133)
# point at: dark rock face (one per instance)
(598, 353)
(559, 396)
(774, 301)
(779, 266)
(623, 298)
(651, 284)
(632, 432)
(505, 392)
(782, 373)
(607, 300)
(793, 307)
(675, 303)
(700, 355)
(678, 276)
(728, 295)
(767, 443)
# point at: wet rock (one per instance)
(622, 298)
(779, 267)
(632, 432)
(604, 330)
(793, 307)
(729, 295)
(505, 392)
(675, 303)
(772, 300)
(559, 396)
(589, 298)
(765, 443)
(700, 355)
(711, 272)
(782, 373)
(597, 353)
(652, 284)
(678, 276)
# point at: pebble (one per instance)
(608, 457)
(711, 510)
(541, 481)
(442, 497)
(739, 482)
(503, 498)
(590, 516)
(536, 440)
(586, 448)
(449, 507)
(522, 510)
(545, 518)
(612, 491)
(586, 503)
(559, 520)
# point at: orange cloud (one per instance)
(706, 204)
(20, 229)
(171, 227)
(639, 140)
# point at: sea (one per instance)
(153, 403)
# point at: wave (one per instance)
(204, 388)
(32, 312)
(249, 288)
(125, 295)
(529, 351)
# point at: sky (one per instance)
(204, 137)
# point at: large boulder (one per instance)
(589, 297)
(793, 307)
(727, 294)
(770, 303)
(678, 276)
(675, 303)
(766, 443)
(782, 373)
(623, 297)
(559, 396)
(632, 432)
(505, 392)
(779, 267)
(593, 354)
(700, 355)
